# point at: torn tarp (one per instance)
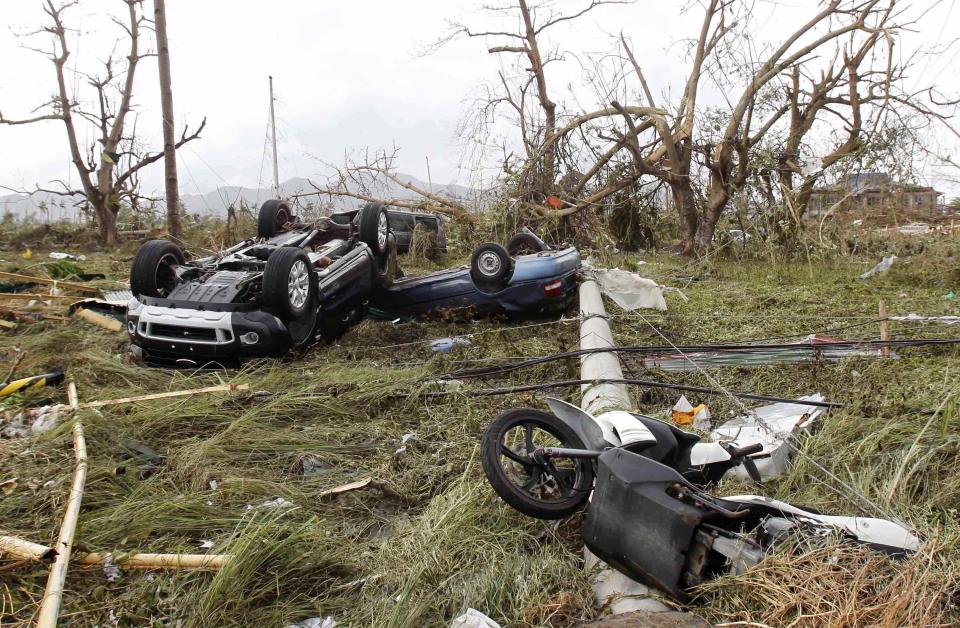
(631, 291)
(771, 426)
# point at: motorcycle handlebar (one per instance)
(743, 452)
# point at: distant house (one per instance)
(875, 192)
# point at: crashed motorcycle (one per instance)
(649, 515)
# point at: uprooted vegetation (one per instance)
(246, 471)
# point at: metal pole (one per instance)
(273, 133)
(171, 188)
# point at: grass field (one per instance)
(441, 541)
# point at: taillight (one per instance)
(553, 289)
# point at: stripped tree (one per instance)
(108, 170)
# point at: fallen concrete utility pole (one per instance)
(626, 594)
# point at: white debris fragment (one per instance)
(631, 291)
(110, 569)
(315, 622)
(213, 485)
(882, 267)
(32, 421)
(206, 544)
(783, 420)
(272, 503)
(473, 618)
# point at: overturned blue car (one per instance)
(524, 279)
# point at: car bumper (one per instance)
(191, 337)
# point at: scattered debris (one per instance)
(882, 267)
(31, 422)
(740, 236)
(784, 420)
(815, 347)
(279, 502)
(110, 569)
(312, 465)
(368, 482)
(7, 487)
(472, 618)
(682, 411)
(67, 256)
(631, 291)
(916, 228)
(315, 622)
(446, 345)
(403, 443)
(204, 544)
(946, 320)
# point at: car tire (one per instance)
(491, 451)
(290, 284)
(525, 243)
(152, 273)
(491, 267)
(375, 227)
(385, 267)
(274, 216)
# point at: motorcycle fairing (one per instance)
(880, 534)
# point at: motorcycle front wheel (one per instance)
(553, 489)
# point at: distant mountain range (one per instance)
(46, 207)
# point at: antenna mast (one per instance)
(273, 132)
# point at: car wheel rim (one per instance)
(382, 230)
(489, 263)
(298, 284)
(166, 275)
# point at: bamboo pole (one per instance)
(166, 395)
(56, 283)
(38, 297)
(159, 561)
(26, 550)
(50, 607)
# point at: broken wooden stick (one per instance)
(53, 595)
(380, 485)
(16, 547)
(56, 283)
(98, 319)
(165, 395)
(159, 561)
(24, 550)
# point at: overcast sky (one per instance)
(348, 74)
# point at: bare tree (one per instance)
(107, 170)
(366, 180)
(169, 135)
